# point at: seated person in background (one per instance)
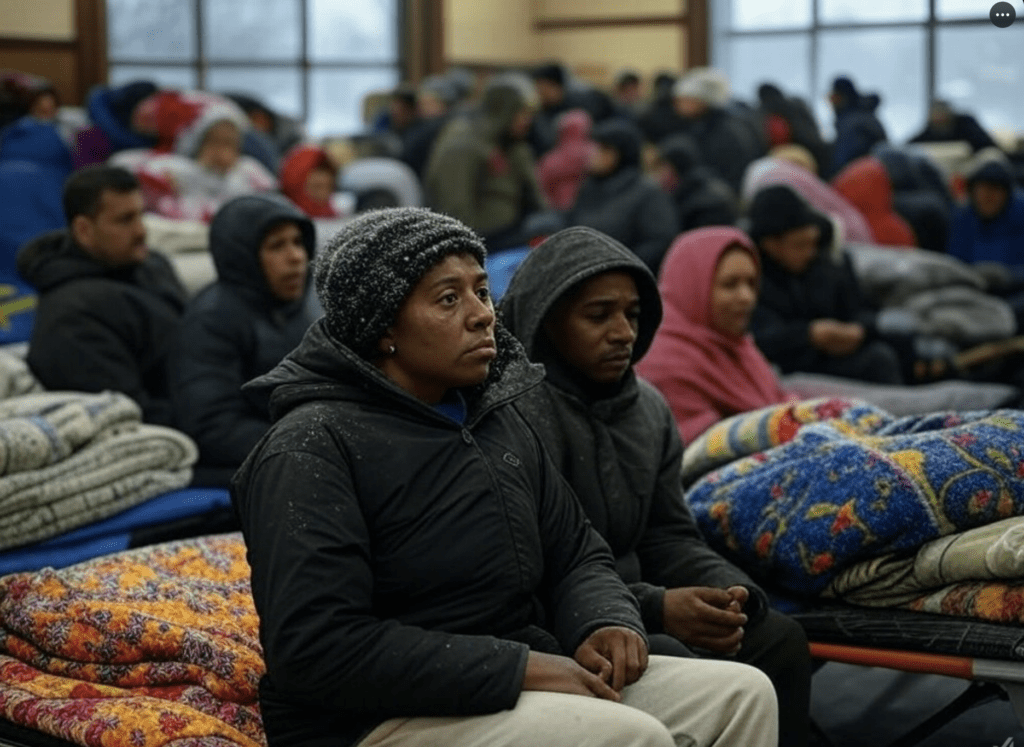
(700, 197)
(945, 124)
(620, 200)
(810, 315)
(414, 552)
(794, 166)
(112, 111)
(482, 172)
(436, 97)
(627, 93)
(282, 132)
(702, 358)
(240, 327)
(726, 142)
(705, 363)
(563, 168)
(309, 179)
(557, 93)
(108, 307)
(206, 170)
(858, 128)
(789, 121)
(990, 227)
(866, 185)
(587, 308)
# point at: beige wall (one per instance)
(503, 32)
(597, 54)
(489, 31)
(545, 9)
(37, 19)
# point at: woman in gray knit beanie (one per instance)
(415, 553)
(367, 269)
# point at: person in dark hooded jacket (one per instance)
(700, 197)
(620, 200)
(108, 307)
(414, 552)
(858, 128)
(482, 172)
(240, 327)
(587, 308)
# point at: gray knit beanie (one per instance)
(369, 267)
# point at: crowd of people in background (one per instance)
(516, 156)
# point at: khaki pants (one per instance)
(682, 702)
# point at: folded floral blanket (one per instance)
(149, 647)
(68, 459)
(809, 490)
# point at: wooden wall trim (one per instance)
(30, 44)
(91, 28)
(698, 47)
(569, 24)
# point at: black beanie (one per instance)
(778, 209)
(623, 137)
(551, 71)
(369, 267)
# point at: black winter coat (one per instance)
(631, 208)
(702, 199)
(404, 564)
(99, 327)
(618, 447)
(233, 331)
(787, 304)
(727, 144)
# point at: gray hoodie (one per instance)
(617, 446)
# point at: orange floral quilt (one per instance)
(144, 648)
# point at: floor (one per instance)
(869, 707)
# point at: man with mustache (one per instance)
(240, 327)
(107, 306)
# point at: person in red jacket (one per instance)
(866, 184)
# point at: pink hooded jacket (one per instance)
(562, 170)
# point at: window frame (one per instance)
(931, 25)
(200, 63)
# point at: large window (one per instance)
(908, 52)
(311, 59)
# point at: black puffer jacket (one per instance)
(99, 327)
(617, 446)
(403, 563)
(700, 197)
(788, 303)
(626, 204)
(233, 331)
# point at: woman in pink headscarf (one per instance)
(702, 359)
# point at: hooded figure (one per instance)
(858, 129)
(701, 198)
(308, 178)
(865, 184)
(659, 118)
(240, 327)
(563, 168)
(705, 375)
(990, 228)
(207, 169)
(614, 440)
(618, 199)
(481, 171)
(110, 109)
(414, 552)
